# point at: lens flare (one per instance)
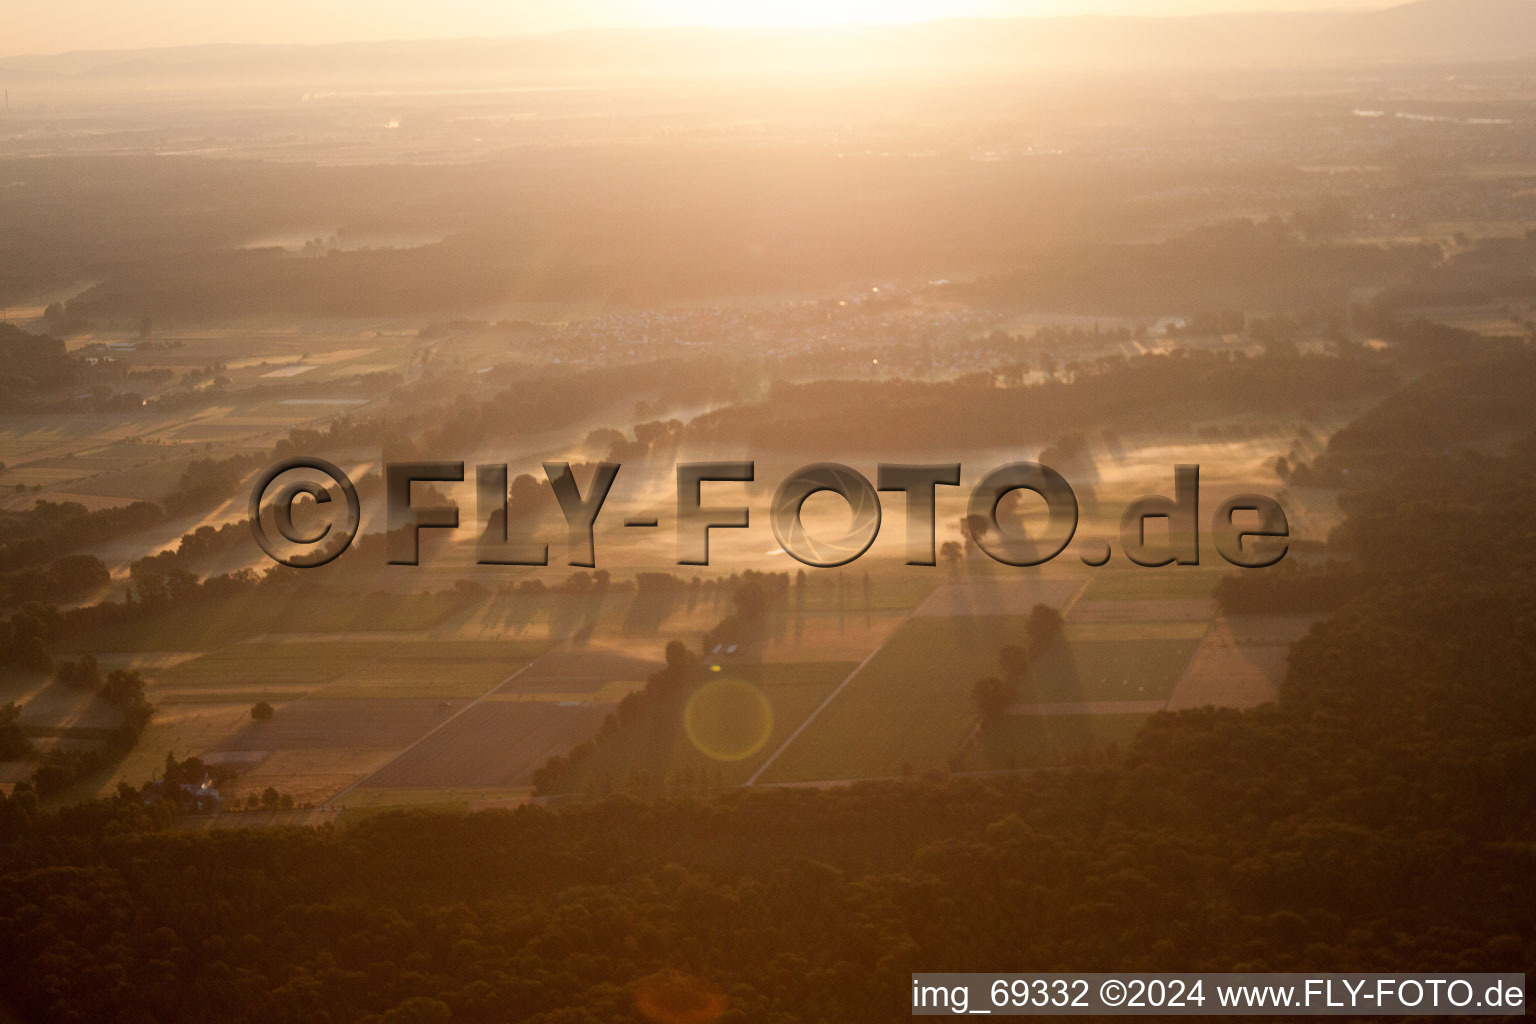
(728, 719)
(672, 997)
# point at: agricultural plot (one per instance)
(39, 474)
(58, 708)
(319, 745)
(18, 687)
(580, 618)
(1150, 609)
(39, 436)
(312, 747)
(219, 430)
(1167, 583)
(148, 479)
(58, 741)
(1241, 662)
(578, 675)
(202, 626)
(373, 613)
(829, 636)
(320, 724)
(815, 628)
(383, 696)
(718, 735)
(854, 592)
(994, 594)
(256, 670)
(496, 743)
(90, 502)
(150, 664)
(430, 668)
(910, 706)
(1112, 662)
(209, 625)
(179, 729)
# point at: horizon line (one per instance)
(1360, 7)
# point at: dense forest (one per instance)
(1378, 817)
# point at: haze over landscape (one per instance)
(1293, 245)
(94, 24)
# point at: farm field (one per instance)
(359, 681)
(320, 723)
(998, 592)
(383, 696)
(1136, 640)
(343, 706)
(1147, 609)
(557, 701)
(579, 674)
(495, 744)
(311, 775)
(24, 439)
(1168, 583)
(256, 670)
(181, 730)
(209, 625)
(1241, 661)
(643, 619)
(18, 686)
(433, 668)
(799, 637)
(640, 623)
(716, 736)
(377, 612)
(1119, 661)
(356, 684)
(58, 708)
(890, 588)
(909, 706)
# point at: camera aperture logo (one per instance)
(1263, 542)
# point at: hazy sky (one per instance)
(52, 26)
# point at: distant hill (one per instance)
(1426, 30)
